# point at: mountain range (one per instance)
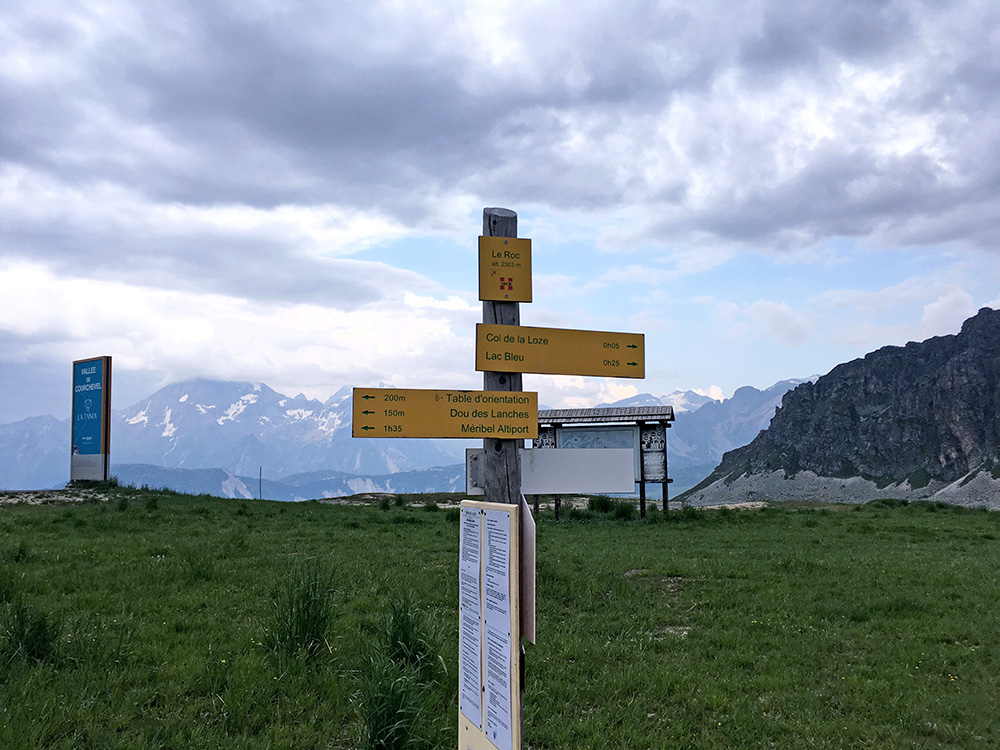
(919, 421)
(238, 439)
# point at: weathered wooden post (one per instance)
(502, 461)
(502, 474)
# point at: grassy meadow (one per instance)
(148, 619)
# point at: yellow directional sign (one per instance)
(420, 413)
(559, 351)
(504, 269)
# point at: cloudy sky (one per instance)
(291, 192)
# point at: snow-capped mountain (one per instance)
(238, 427)
(685, 400)
(680, 400)
(202, 424)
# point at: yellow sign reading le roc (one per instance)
(559, 351)
(419, 413)
(504, 269)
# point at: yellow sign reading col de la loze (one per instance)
(559, 351)
(504, 269)
(421, 413)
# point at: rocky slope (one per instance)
(919, 421)
(699, 438)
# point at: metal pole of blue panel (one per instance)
(106, 417)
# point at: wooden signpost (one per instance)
(496, 568)
(502, 472)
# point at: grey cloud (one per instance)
(204, 104)
(854, 194)
(213, 261)
(800, 35)
(336, 123)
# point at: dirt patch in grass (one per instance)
(44, 497)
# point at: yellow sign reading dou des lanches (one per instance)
(422, 413)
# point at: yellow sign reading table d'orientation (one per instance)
(420, 413)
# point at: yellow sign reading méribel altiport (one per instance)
(420, 413)
(504, 269)
(559, 351)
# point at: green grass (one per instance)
(406, 694)
(303, 609)
(157, 620)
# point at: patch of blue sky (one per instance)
(731, 318)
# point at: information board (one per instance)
(91, 430)
(653, 443)
(489, 632)
(602, 437)
(555, 472)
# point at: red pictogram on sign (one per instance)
(506, 285)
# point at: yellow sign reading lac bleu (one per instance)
(504, 269)
(420, 413)
(559, 351)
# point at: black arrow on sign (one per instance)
(366, 398)
(367, 412)
(366, 427)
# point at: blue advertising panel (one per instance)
(89, 412)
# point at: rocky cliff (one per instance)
(917, 421)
